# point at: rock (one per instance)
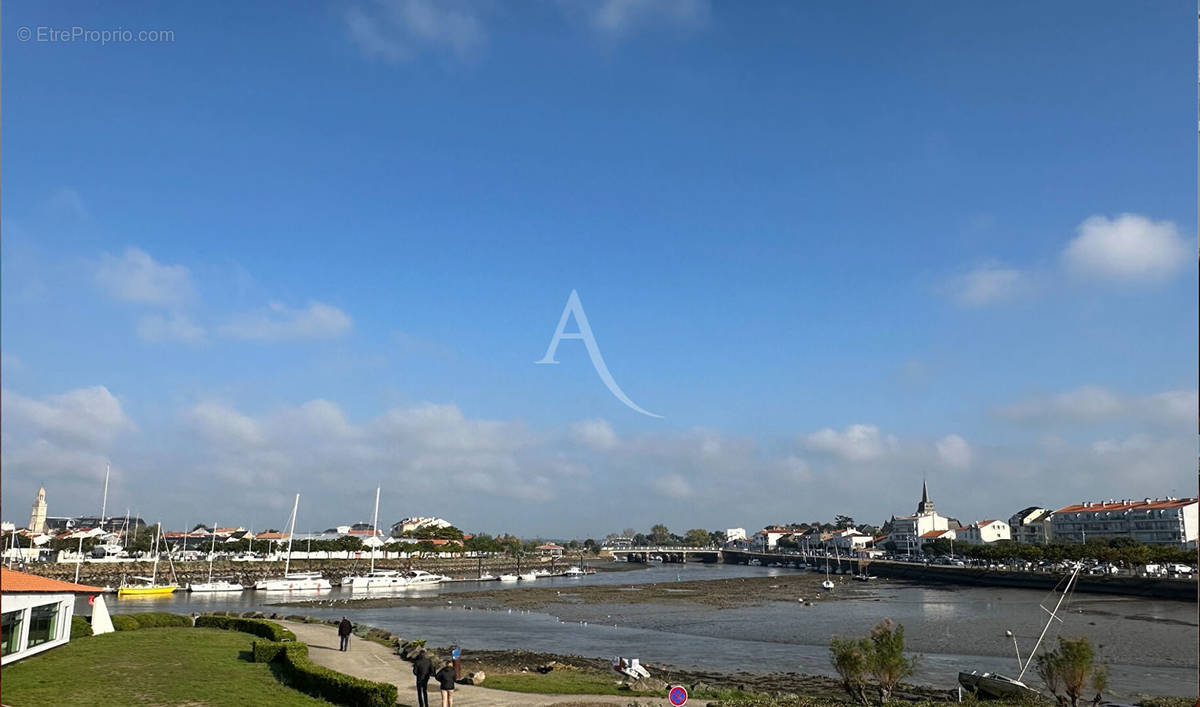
(648, 685)
(475, 678)
(552, 666)
(698, 687)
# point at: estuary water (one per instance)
(1150, 644)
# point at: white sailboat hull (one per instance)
(305, 581)
(218, 586)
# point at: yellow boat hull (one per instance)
(146, 591)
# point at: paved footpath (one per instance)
(372, 661)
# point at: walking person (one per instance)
(423, 669)
(345, 628)
(445, 678)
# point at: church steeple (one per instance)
(925, 507)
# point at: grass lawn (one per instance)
(582, 682)
(193, 667)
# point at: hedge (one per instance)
(306, 676)
(154, 619)
(258, 627)
(80, 627)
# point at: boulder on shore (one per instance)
(647, 685)
(475, 678)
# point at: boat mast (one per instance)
(212, 553)
(287, 563)
(104, 500)
(374, 520)
(154, 574)
(1066, 591)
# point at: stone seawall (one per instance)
(1159, 588)
(110, 573)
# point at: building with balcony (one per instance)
(1153, 521)
(1031, 525)
(984, 531)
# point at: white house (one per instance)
(930, 536)
(851, 540)
(35, 613)
(769, 537)
(734, 534)
(984, 531)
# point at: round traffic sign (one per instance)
(678, 695)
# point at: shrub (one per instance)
(124, 622)
(1068, 667)
(159, 619)
(80, 627)
(152, 619)
(302, 674)
(258, 627)
(851, 658)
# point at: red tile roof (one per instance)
(12, 581)
(934, 534)
(271, 536)
(1128, 505)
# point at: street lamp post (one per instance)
(1010, 634)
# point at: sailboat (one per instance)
(375, 579)
(293, 581)
(1001, 686)
(828, 583)
(863, 561)
(220, 585)
(151, 588)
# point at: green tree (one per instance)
(851, 659)
(843, 521)
(888, 662)
(697, 537)
(1066, 671)
(659, 534)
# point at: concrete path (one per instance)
(370, 660)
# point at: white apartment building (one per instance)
(1154, 521)
(734, 534)
(1031, 525)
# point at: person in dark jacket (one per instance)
(423, 669)
(345, 628)
(445, 678)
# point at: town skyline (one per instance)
(839, 255)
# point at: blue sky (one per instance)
(838, 248)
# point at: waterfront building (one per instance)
(550, 550)
(734, 534)
(770, 537)
(35, 613)
(851, 539)
(927, 537)
(984, 531)
(411, 524)
(37, 518)
(907, 531)
(1154, 521)
(1031, 525)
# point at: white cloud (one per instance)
(672, 486)
(137, 277)
(157, 328)
(856, 443)
(224, 425)
(1129, 248)
(616, 17)
(86, 416)
(398, 30)
(65, 437)
(987, 284)
(1093, 403)
(954, 451)
(277, 323)
(595, 434)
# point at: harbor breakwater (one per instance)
(110, 574)
(1151, 587)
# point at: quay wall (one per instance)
(1153, 587)
(110, 573)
